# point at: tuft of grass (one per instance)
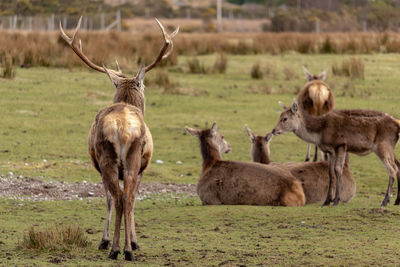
(197, 67)
(288, 74)
(65, 237)
(353, 68)
(9, 70)
(220, 64)
(256, 72)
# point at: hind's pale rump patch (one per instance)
(121, 128)
(319, 94)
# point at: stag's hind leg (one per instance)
(134, 243)
(105, 241)
(131, 179)
(386, 153)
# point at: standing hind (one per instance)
(315, 98)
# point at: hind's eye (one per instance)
(284, 119)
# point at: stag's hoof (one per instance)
(128, 255)
(104, 244)
(307, 159)
(397, 201)
(113, 254)
(135, 246)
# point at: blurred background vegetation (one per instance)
(279, 15)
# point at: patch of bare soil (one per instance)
(37, 190)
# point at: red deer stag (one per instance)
(232, 182)
(120, 144)
(316, 98)
(314, 176)
(340, 131)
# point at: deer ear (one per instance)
(268, 137)
(294, 107)
(192, 131)
(140, 76)
(322, 76)
(214, 129)
(309, 76)
(282, 105)
(115, 79)
(249, 133)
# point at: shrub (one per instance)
(65, 237)
(256, 72)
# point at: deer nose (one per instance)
(273, 131)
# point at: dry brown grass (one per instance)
(65, 237)
(352, 67)
(48, 49)
(8, 68)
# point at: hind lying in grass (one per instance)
(314, 176)
(233, 182)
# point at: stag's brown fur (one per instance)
(314, 176)
(340, 131)
(315, 98)
(120, 143)
(232, 182)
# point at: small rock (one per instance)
(302, 222)
(84, 181)
(179, 162)
(20, 176)
(90, 193)
(44, 160)
(181, 175)
(26, 164)
(11, 174)
(159, 161)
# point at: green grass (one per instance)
(46, 114)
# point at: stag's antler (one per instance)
(164, 52)
(78, 50)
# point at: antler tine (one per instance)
(78, 50)
(118, 68)
(166, 49)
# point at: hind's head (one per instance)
(211, 138)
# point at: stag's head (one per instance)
(129, 90)
(310, 77)
(289, 120)
(211, 137)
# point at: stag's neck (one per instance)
(209, 153)
(310, 128)
(131, 97)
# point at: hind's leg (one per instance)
(386, 153)
(308, 152)
(398, 182)
(315, 154)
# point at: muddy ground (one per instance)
(29, 188)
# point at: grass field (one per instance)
(46, 115)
